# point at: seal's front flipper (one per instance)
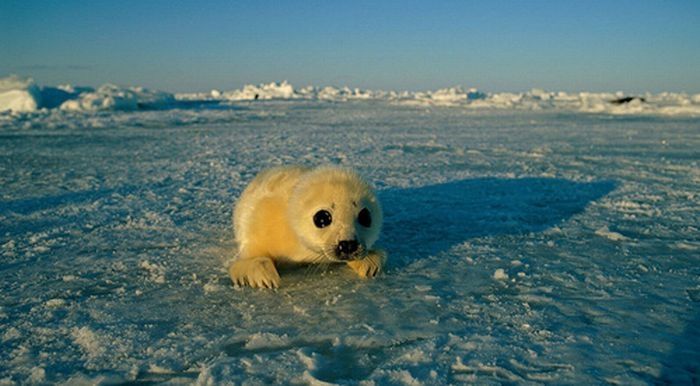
(257, 272)
(371, 265)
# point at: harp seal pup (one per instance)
(294, 214)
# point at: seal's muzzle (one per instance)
(346, 249)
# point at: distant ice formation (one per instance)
(282, 90)
(111, 97)
(19, 95)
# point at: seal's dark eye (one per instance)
(365, 218)
(322, 219)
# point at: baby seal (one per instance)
(294, 214)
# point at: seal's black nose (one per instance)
(345, 248)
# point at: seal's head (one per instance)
(335, 214)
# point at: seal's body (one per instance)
(295, 214)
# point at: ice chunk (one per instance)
(500, 274)
(156, 271)
(112, 97)
(611, 235)
(57, 302)
(89, 341)
(19, 94)
(453, 96)
(273, 90)
(266, 340)
(53, 97)
(38, 375)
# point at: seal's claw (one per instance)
(256, 272)
(370, 266)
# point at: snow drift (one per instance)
(112, 97)
(20, 95)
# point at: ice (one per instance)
(500, 274)
(664, 104)
(607, 233)
(22, 95)
(88, 341)
(112, 97)
(38, 375)
(529, 241)
(282, 90)
(18, 95)
(453, 96)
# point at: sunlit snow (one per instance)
(532, 238)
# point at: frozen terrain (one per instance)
(19, 95)
(531, 241)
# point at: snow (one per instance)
(282, 90)
(526, 245)
(18, 95)
(607, 233)
(500, 274)
(112, 97)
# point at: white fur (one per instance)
(273, 222)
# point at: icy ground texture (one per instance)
(525, 247)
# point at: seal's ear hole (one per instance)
(364, 218)
(322, 219)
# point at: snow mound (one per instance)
(268, 91)
(18, 94)
(343, 94)
(452, 96)
(112, 97)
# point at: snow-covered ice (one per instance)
(111, 97)
(527, 244)
(18, 94)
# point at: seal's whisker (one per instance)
(315, 263)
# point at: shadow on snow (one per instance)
(682, 366)
(424, 221)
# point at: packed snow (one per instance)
(529, 242)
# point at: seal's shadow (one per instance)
(424, 221)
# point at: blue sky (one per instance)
(632, 46)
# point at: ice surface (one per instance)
(526, 246)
